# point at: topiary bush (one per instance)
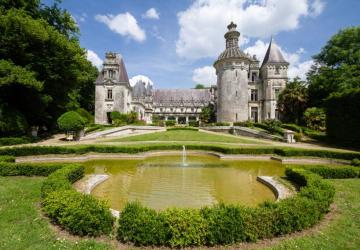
(225, 224)
(141, 226)
(182, 128)
(71, 121)
(78, 213)
(185, 227)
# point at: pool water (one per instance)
(163, 181)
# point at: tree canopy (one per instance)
(293, 101)
(337, 66)
(43, 69)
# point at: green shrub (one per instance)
(315, 118)
(7, 158)
(248, 124)
(28, 169)
(182, 128)
(170, 123)
(6, 141)
(193, 123)
(62, 179)
(186, 227)
(78, 213)
(292, 127)
(338, 172)
(141, 226)
(355, 162)
(71, 121)
(43, 150)
(225, 224)
(86, 115)
(298, 137)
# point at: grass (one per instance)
(22, 226)
(183, 135)
(341, 233)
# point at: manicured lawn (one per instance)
(183, 135)
(341, 233)
(22, 227)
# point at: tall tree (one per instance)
(337, 66)
(293, 101)
(42, 41)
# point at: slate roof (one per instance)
(273, 55)
(185, 97)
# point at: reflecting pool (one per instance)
(163, 181)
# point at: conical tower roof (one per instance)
(273, 55)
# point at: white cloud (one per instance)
(316, 8)
(142, 78)
(124, 24)
(296, 67)
(205, 75)
(300, 69)
(151, 14)
(94, 58)
(204, 22)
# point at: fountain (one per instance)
(184, 157)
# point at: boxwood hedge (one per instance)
(226, 224)
(132, 149)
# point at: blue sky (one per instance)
(175, 42)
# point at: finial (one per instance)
(232, 26)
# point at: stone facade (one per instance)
(244, 90)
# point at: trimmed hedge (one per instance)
(332, 172)
(62, 179)
(182, 128)
(78, 213)
(6, 141)
(132, 149)
(355, 162)
(7, 158)
(292, 127)
(28, 169)
(227, 224)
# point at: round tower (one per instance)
(232, 70)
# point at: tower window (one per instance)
(277, 70)
(253, 77)
(109, 94)
(111, 74)
(235, 93)
(254, 95)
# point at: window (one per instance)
(236, 116)
(253, 77)
(161, 110)
(182, 110)
(254, 114)
(109, 94)
(235, 93)
(171, 109)
(276, 92)
(254, 95)
(111, 74)
(277, 70)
